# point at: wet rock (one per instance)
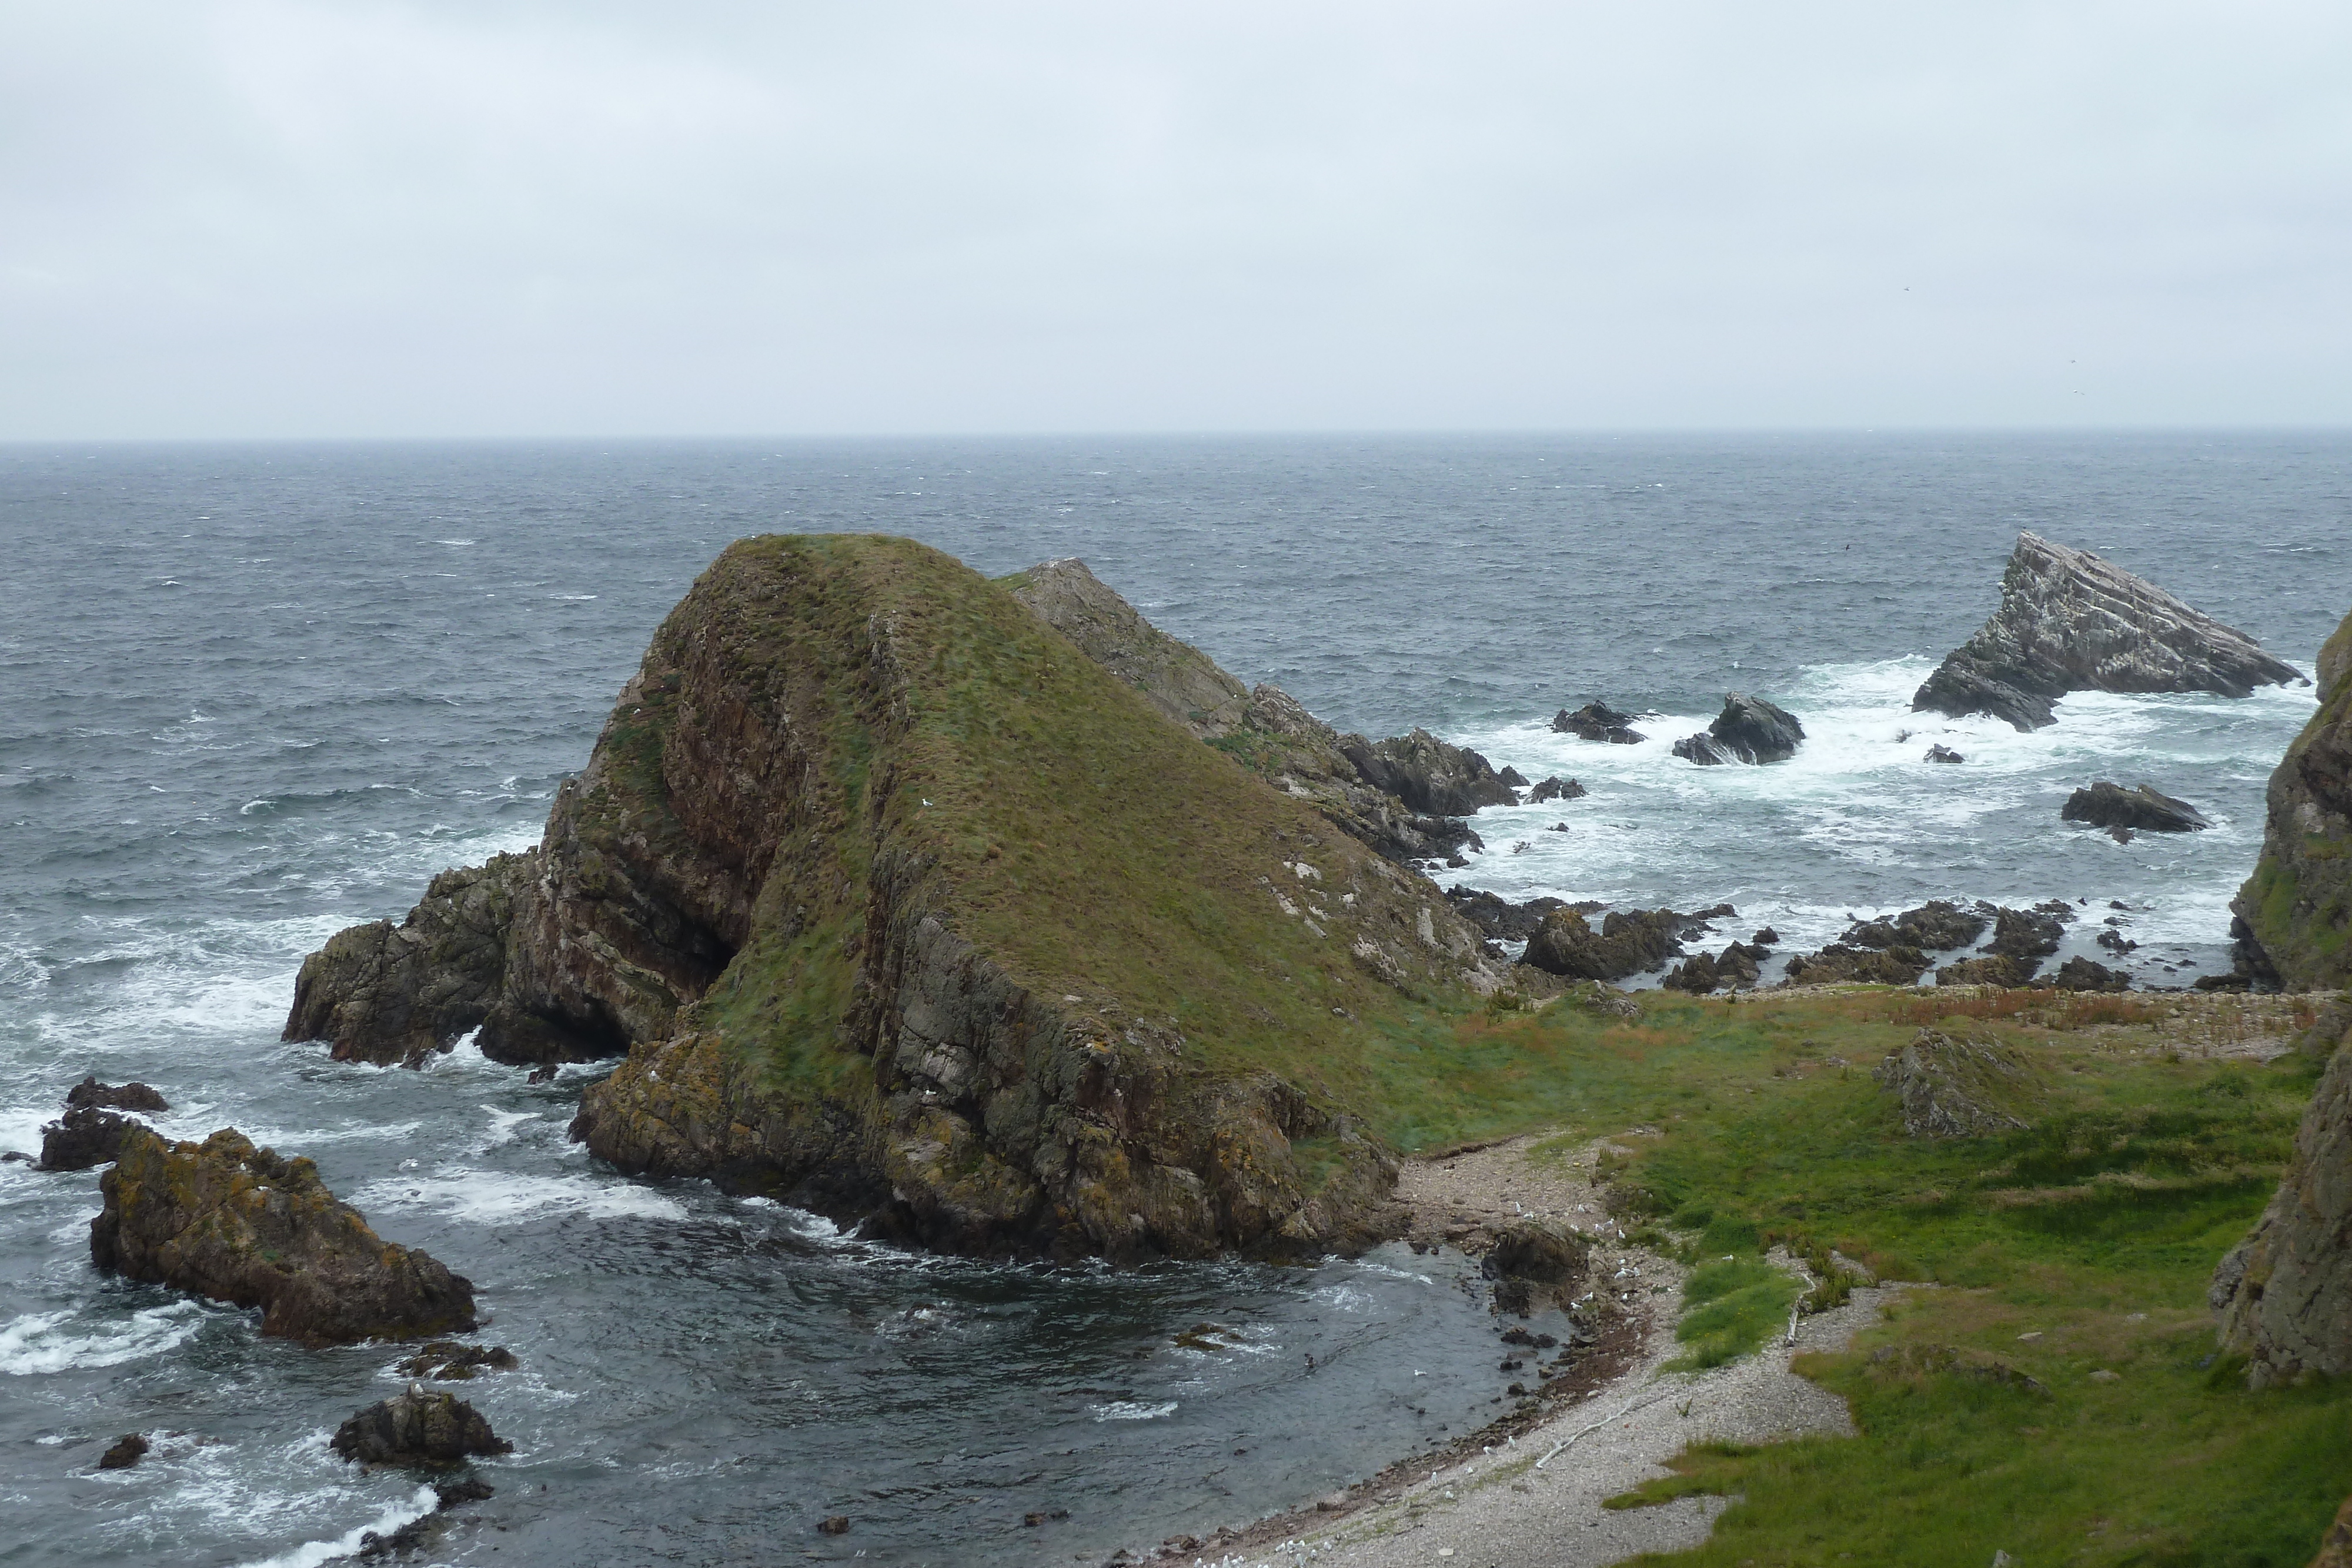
(1950, 1087)
(449, 1360)
(2290, 919)
(1944, 754)
(1628, 942)
(1748, 730)
(1993, 969)
(84, 1137)
(1556, 789)
(127, 1097)
(410, 1538)
(416, 1428)
(2085, 975)
(1936, 926)
(1496, 917)
(1432, 777)
(2108, 805)
(1597, 720)
(834, 1524)
(2071, 622)
(2026, 933)
(241, 1225)
(458, 1493)
(1767, 938)
(127, 1450)
(1838, 965)
(2115, 941)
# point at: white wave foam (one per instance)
(1131, 1410)
(41, 1342)
(503, 1124)
(311, 1555)
(492, 1197)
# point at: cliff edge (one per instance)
(908, 911)
(2294, 912)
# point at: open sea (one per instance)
(250, 695)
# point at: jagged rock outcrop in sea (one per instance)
(1596, 720)
(2145, 810)
(1628, 942)
(239, 1223)
(987, 952)
(416, 1428)
(1748, 730)
(2070, 621)
(2292, 918)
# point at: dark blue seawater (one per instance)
(250, 695)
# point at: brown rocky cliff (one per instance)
(2293, 916)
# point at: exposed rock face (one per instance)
(127, 1450)
(1838, 965)
(1956, 1088)
(1936, 926)
(417, 1429)
(84, 1137)
(240, 1225)
(992, 956)
(1174, 676)
(1628, 942)
(1532, 1258)
(1498, 918)
(1738, 966)
(2295, 913)
(1433, 777)
(1556, 789)
(2107, 805)
(2070, 621)
(2284, 1293)
(2335, 1546)
(129, 1097)
(1993, 969)
(2086, 975)
(2026, 934)
(1748, 730)
(1598, 721)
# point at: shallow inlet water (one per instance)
(255, 694)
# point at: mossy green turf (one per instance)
(2099, 1229)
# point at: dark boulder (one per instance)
(1431, 776)
(1598, 721)
(2071, 622)
(1838, 965)
(1513, 777)
(127, 1450)
(1628, 942)
(238, 1224)
(128, 1097)
(1767, 938)
(1944, 754)
(1696, 974)
(84, 1137)
(1556, 789)
(2107, 805)
(2026, 933)
(1937, 925)
(416, 1428)
(2084, 974)
(1993, 969)
(449, 1360)
(1748, 730)
(458, 1493)
(1496, 917)
(1738, 966)
(2117, 942)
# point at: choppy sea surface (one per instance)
(252, 694)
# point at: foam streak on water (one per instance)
(256, 694)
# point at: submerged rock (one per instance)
(2107, 805)
(416, 1428)
(1596, 720)
(127, 1450)
(1748, 730)
(84, 1137)
(2070, 621)
(2293, 917)
(1556, 789)
(1944, 754)
(449, 1360)
(1950, 1087)
(127, 1097)
(239, 1223)
(2283, 1295)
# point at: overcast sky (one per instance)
(496, 218)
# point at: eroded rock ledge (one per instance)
(2070, 621)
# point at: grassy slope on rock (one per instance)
(1073, 829)
(1732, 1124)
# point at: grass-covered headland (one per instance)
(2057, 1396)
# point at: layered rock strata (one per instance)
(240, 1225)
(2292, 918)
(2070, 621)
(910, 909)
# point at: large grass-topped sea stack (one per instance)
(907, 909)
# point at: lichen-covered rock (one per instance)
(1596, 720)
(2144, 809)
(2294, 916)
(240, 1225)
(2283, 1294)
(108, 1096)
(419, 1429)
(2070, 621)
(1950, 1087)
(84, 1137)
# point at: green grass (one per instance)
(1731, 1306)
